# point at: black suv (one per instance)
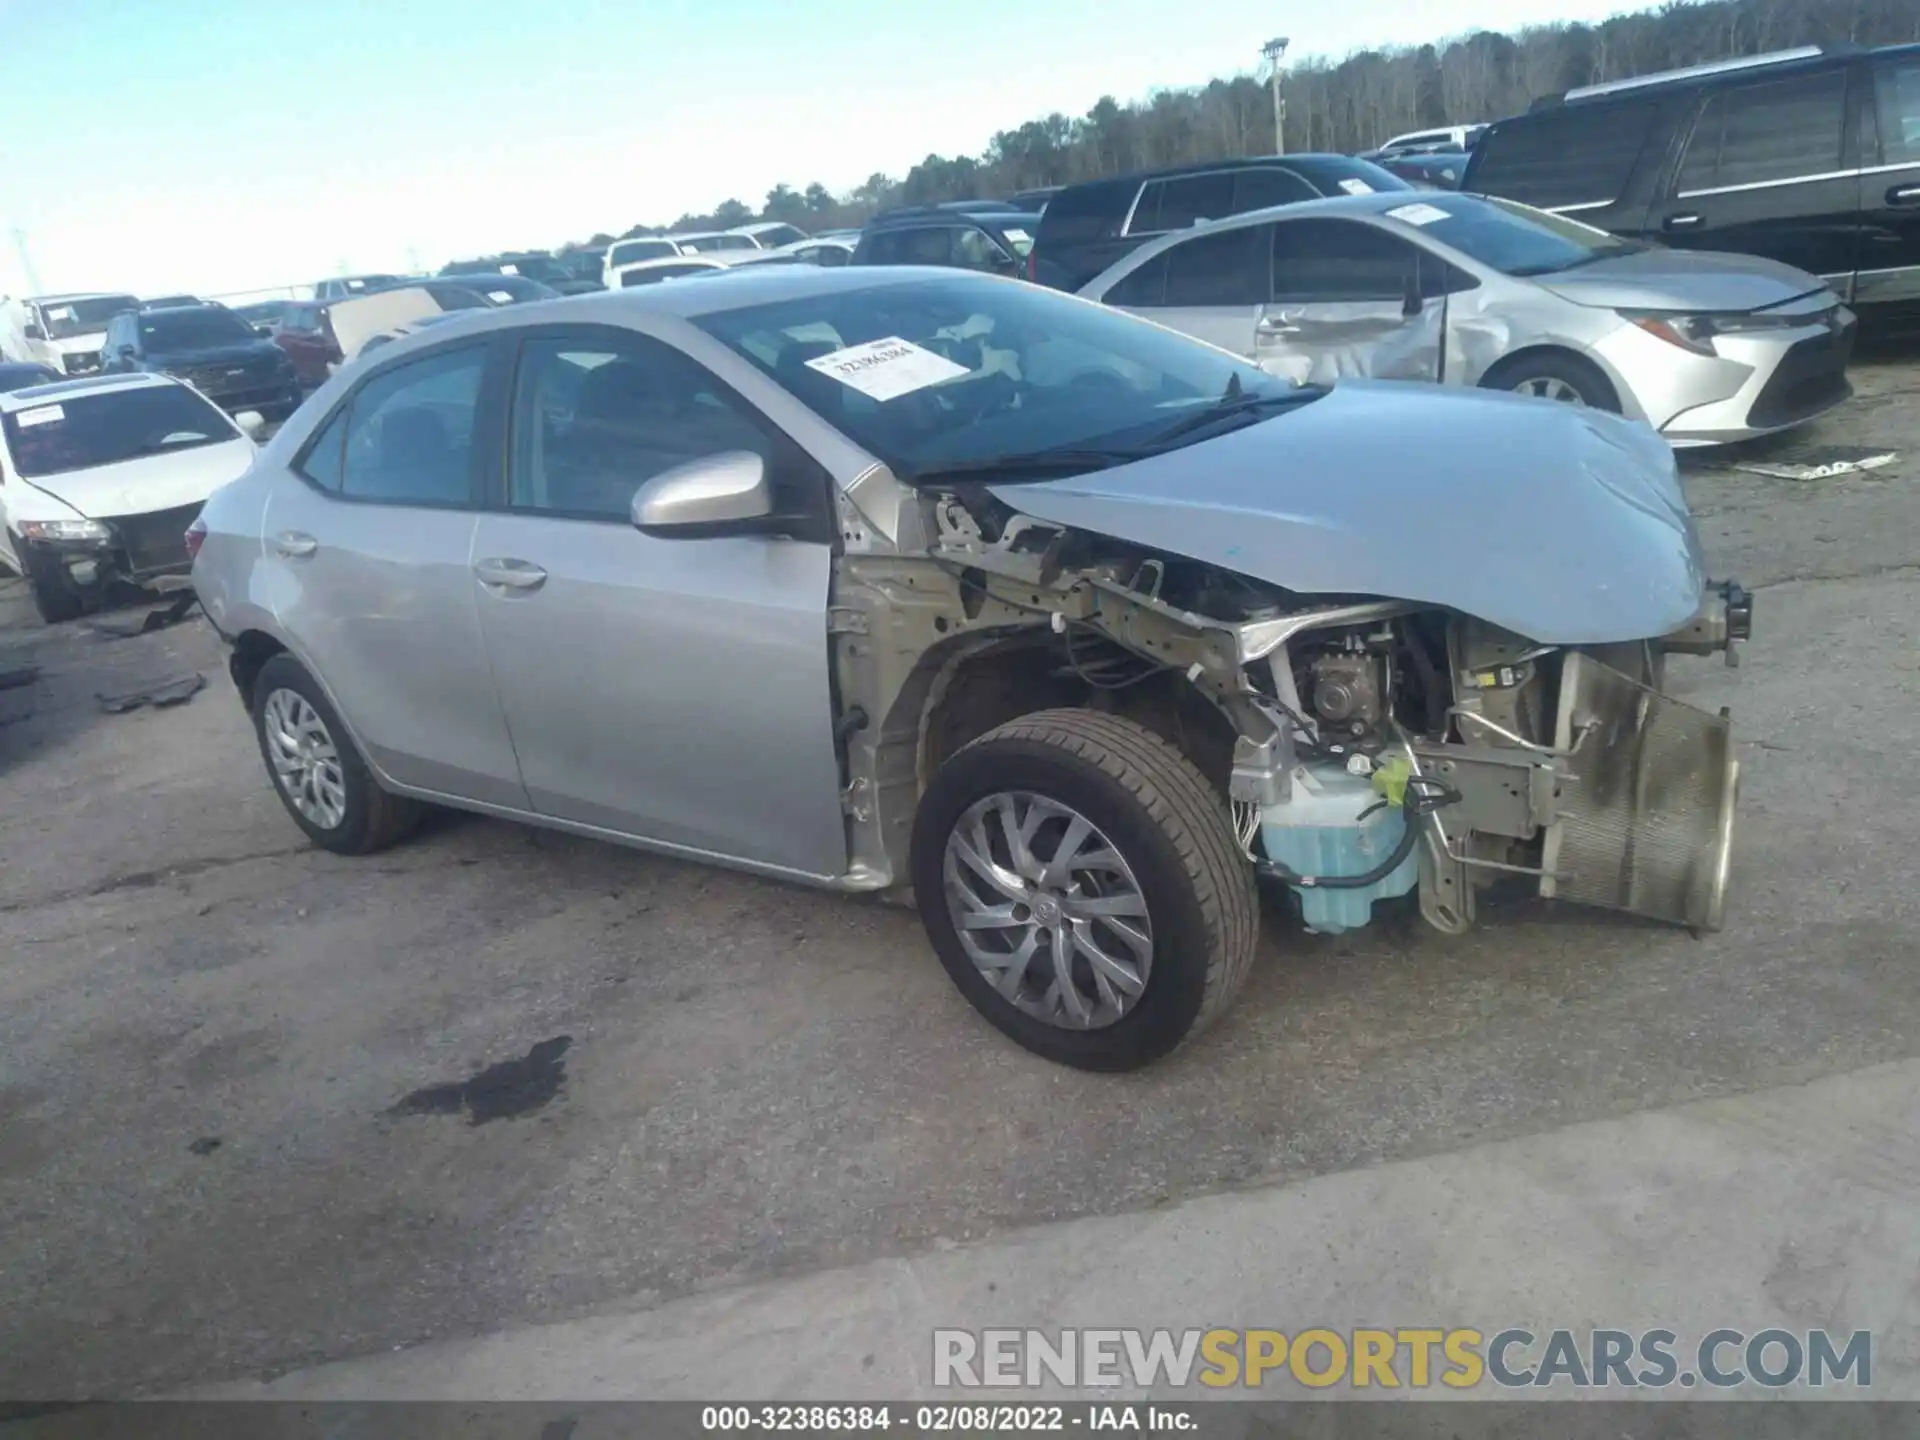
(986, 235)
(224, 358)
(1089, 226)
(1806, 156)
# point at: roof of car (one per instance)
(86, 385)
(979, 211)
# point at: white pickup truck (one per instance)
(64, 332)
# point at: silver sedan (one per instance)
(872, 578)
(1464, 290)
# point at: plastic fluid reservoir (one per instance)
(1320, 832)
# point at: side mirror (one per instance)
(251, 423)
(725, 494)
(263, 330)
(34, 332)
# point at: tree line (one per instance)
(1346, 105)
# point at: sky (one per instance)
(221, 146)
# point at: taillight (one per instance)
(1033, 267)
(196, 532)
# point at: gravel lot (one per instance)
(209, 1033)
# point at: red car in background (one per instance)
(303, 332)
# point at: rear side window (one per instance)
(1143, 288)
(1328, 262)
(1228, 268)
(1579, 155)
(325, 461)
(1179, 202)
(1782, 130)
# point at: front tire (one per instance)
(1080, 882)
(316, 771)
(56, 598)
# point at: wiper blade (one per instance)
(1231, 406)
(1037, 462)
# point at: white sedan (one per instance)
(100, 478)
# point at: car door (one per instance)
(1346, 301)
(1768, 170)
(1210, 286)
(370, 538)
(120, 346)
(1890, 187)
(673, 690)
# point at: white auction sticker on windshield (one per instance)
(60, 312)
(1419, 214)
(509, 269)
(1356, 187)
(889, 368)
(42, 415)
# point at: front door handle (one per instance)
(1904, 195)
(509, 574)
(1685, 220)
(295, 545)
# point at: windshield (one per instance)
(700, 244)
(967, 370)
(534, 267)
(1512, 238)
(168, 330)
(772, 235)
(627, 251)
(68, 318)
(88, 431)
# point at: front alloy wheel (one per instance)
(1048, 910)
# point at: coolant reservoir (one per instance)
(1319, 832)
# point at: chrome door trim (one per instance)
(1768, 184)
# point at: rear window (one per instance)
(625, 252)
(1580, 155)
(1081, 213)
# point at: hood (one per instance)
(78, 344)
(1691, 281)
(234, 352)
(358, 320)
(153, 482)
(1562, 525)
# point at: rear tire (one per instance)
(1137, 798)
(316, 771)
(1555, 375)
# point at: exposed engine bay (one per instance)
(1369, 747)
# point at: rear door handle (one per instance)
(1277, 327)
(510, 574)
(1904, 195)
(294, 545)
(1685, 220)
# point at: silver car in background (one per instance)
(883, 577)
(1464, 290)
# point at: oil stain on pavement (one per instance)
(500, 1092)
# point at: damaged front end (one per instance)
(1367, 747)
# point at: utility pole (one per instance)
(27, 272)
(1273, 50)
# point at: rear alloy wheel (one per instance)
(318, 775)
(1079, 880)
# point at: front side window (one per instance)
(1579, 155)
(87, 431)
(1175, 204)
(1257, 189)
(1779, 130)
(1897, 103)
(1227, 268)
(1327, 262)
(594, 420)
(409, 432)
(927, 245)
(960, 369)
